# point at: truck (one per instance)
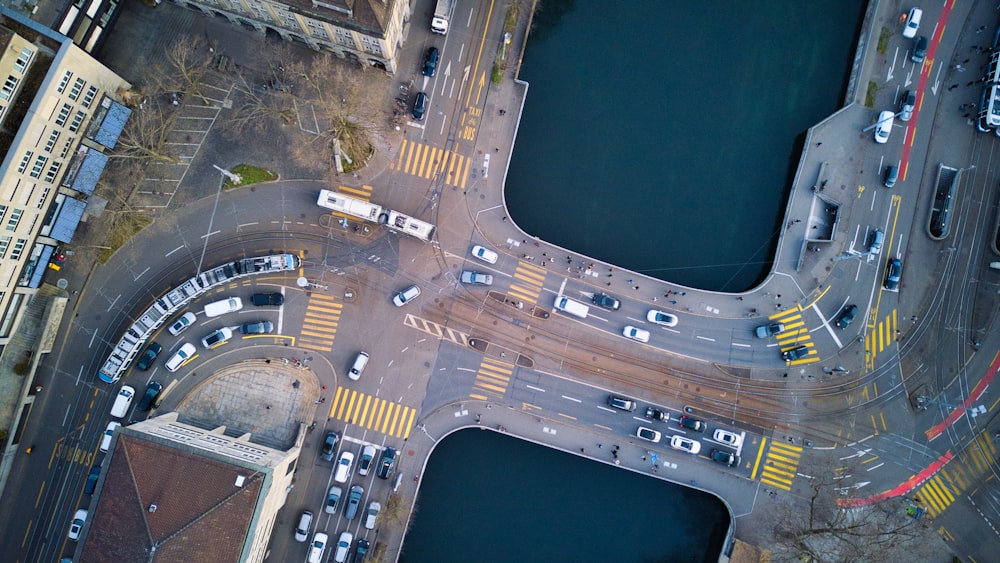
(442, 12)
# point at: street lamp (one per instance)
(236, 180)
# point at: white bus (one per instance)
(366, 211)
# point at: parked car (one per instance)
(361, 551)
(318, 548)
(368, 454)
(374, 507)
(893, 273)
(847, 315)
(407, 295)
(485, 254)
(468, 276)
(419, 106)
(795, 353)
(731, 439)
(691, 423)
(329, 446)
(767, 331)
(621, 403)
(912, 23)
(724, 457)
(883, 127)
(431, 61)
(386, 463)
(109, 433)
(661, 318)
(149, 397)
(149, 356)
(606, 301)
(648, 434)
(635, 333)
(217, 338)
(876, 245)
(332, 499)
(268, 299)
(79, 519)
(92, 478)
(919, 50)
(259, 327)
(304, 526)
(182, 323)
(344, 465)
(657, 414)
(343, 547)
(684, 444)
(907, 103)
(354, 501)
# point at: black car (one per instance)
(147, 358)
(692, 424)
(95, 474)
(795, 353)
(657, 414)
(385, 465)
(329, 445)
(725, 458)
(606, 301)
(419, 106)
(431, 62)
(361, 550)
(149, 397)
(893, 272)
(846, 316)
(265, 299)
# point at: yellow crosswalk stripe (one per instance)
(319, 324)
(373, 413)
(780, 465)
(424, 161)
(493, 377)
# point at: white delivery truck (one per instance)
(442, 12)
(228, 305)
(575, 308)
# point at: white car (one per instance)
(661, 318)
(368, 454)
(470, 277)
(217, 338)
(180, 357)
(728, 438)
(344, 467)
(912, 23)
(648, 434)
(636, 333)
(884, 127)
(343, 547)
(318, 547)
(109, 433)
(79, 519)
(407, 295)
(485, 254)
(182, 324)
(683, 444)
(373, 509)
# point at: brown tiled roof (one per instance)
(201, 515)
(367, 16)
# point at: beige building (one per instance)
(367, 31)
(171, 491)
(58, 116)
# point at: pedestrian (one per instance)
(496, 149)
(544, 254)
(322, 399)
(324, 387)
(268, 407)
(778, 307)
(740, 298)
(636, 288)
(654, 299)
(952, 87)
(609, 284)
(504, 218)
(630, 280)
(820, 143)
(581, 450)
(600, 446)
(673, 301)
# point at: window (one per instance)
(45, 194)
(51, 143)
(67, 146)
(64, 82)
(88, 98)
(15, 218)
(23, 59)
(18, 248)
(3, 211)
(9, 86)
(52, 172)
(4, 244)
(74, 92)
(24, 165)
(36, 169)
(63, 115)
(77, 120)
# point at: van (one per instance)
(305, 524)
(575, 308)
(228, 305)
(891, 175)
(109, 433)
(876, 246)
(359, 366)
(122, 401)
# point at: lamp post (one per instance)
(211, 220)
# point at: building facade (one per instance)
(366, 31)
(58, 115)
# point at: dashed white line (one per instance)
(533, 388)
(575, 400)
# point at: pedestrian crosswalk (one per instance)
(884, 333)
(364, 192)
(424, 161)
(374, 413)
(780, 465)
(492, 379)
(319, 325)
(960, 475)
(795, 334)
(527, 284)
(436, 330)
